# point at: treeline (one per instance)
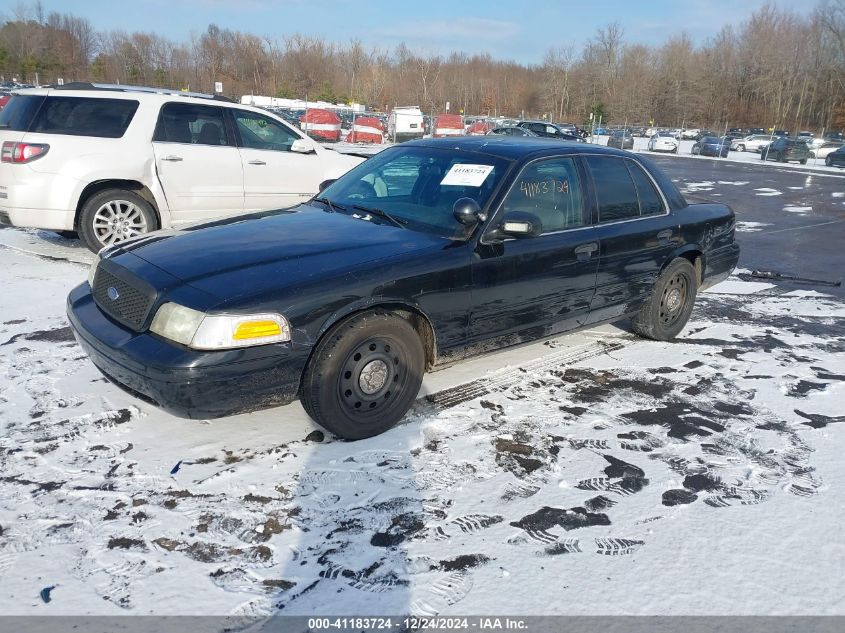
(777, 69)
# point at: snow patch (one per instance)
(733, 182)
(751, 227)
(797, 209)
(767, 191)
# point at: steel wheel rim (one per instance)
(372, 378)
(118, 220)
(673, 299)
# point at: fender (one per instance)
(391, 303)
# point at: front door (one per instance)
(274, 176)
(197, 162)
(541, 285)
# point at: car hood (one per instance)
(241, 257)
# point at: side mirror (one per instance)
(517, 224)
(301, 146)
(325, 184)
(467, 212)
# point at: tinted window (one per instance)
(82, 116)
(19, 112)
(261, 132)
(189, 123)
(650, 201)
(549, 189)
(615, 190)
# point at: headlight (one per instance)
(218, 331)
(93, 270)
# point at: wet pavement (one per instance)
(789, 221)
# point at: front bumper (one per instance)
(184, 382)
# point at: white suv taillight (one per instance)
(22, 152)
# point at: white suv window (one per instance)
(190, 123)
(261, 132)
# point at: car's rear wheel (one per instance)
(828, 161)
(669, 305)
(114, 215)
(803, 161)
(741, 148)
(364, 375)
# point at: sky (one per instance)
(508, 30)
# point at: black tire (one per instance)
(741, 148)
(803, 161)
(669, 305)
(828, 162)
(122, 200)
(335, 394)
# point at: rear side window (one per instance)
(82, 116)
(19, 112)
(650, 201)
(617, 196)
(189, 123)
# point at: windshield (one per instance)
(417, 187)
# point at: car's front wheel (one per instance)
(669, 305)
(741, 148)
(364, 375)
(828, 161)
(114, 215)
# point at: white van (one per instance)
(405, 123)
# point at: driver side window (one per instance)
(549, 189)
(261, 132)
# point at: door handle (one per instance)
(664, 236)
(172, 158)
(257, 162)
(585, 251)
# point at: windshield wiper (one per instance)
(332, 206)
(381, 214)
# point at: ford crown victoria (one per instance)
(425, 253)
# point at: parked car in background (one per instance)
(737, 131)
(712, 146)
(836, 158)
(621, 139)
(824, 149)
(780, 133)
(751, 143)
(834, 136)
(405, 123)
(475, 243)
(550, 130)
(512, 131)
(756, 130)
(601, 131)
(784, 149)
(805, 136)
(638, 132)
(690, 133)
(112, 162)
(663, 142)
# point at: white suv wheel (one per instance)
(117, 220)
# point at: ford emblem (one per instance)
(113, 294)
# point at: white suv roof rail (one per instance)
(85, 85)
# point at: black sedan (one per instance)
(836, 159)
(512, 131)
(712, 146)
(621, 139)
(427, 252)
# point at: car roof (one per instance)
(515, 148)
(109, 91)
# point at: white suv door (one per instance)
(274, 176)
(197, 162)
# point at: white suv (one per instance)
(111, 162)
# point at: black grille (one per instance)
(128, 302)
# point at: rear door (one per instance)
(197, 162)
(274, 176)
(635, 231)
(542, 284)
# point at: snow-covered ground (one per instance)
(595, 473)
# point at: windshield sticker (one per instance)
(467, 175)
(538, 187)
